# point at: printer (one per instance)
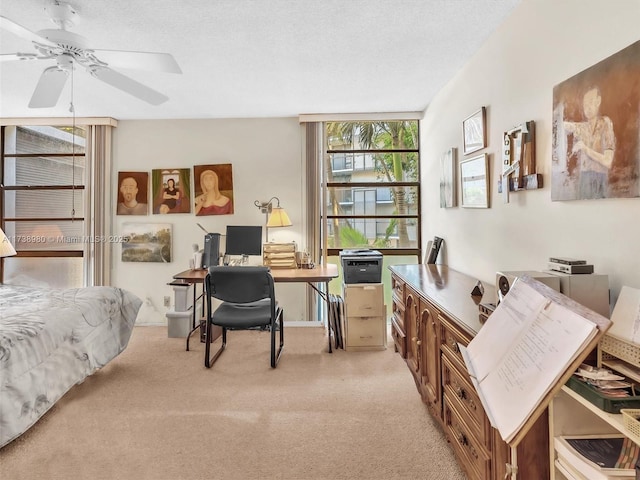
(361, 266)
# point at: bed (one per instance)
(51, 340)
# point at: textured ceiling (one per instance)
(260, 58)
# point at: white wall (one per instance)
(543, 43)
(266, 155)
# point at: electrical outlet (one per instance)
(167, 301)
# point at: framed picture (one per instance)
(213, 189)
(146, 242)
(595, 150)
(447, 179)
(474, 133)
(474, 182)
(171, 190)
(133, 193)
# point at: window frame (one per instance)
(326, 216)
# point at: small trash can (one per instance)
(179, 324)
(180, 296)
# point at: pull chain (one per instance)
(73, 152)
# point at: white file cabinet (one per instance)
(365, 324)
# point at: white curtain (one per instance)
(98, 218)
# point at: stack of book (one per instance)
(596, 457)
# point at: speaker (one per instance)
(504, 281)
(211, 254)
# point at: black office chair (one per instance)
(248, 301)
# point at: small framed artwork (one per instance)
(448, 179)
(213, 189)
(146, 242)
(133, 193)
(474, 133)
(171, 190)
(474, 182)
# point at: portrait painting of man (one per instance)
(596, 130)
(213, 189)
(133, 190)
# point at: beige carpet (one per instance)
(156, 413)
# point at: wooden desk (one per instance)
(311, 276)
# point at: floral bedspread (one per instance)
(51, 340)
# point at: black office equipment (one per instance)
(243, 240)
(361, 266)
(211, 250)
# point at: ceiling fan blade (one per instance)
(6, 57)
(148, 61)
(128, 85)
(49, 88)
(23, 32)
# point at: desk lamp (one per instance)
(276, 216)
(6, 249)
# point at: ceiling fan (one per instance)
(68, 48)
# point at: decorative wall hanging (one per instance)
(213, 189)
(171, 190)
(448, 179)
(596, 130)
(474, 182)
(474, 133)
(519, 160)
(146, 242)
(133, 191)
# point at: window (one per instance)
(42, 200)
(372, 193)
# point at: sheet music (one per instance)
(517, 309)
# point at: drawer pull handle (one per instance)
(419, 342)
(414, 339)
(461, 393)
(462, 440)
(454, 346)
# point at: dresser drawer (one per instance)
(460, 393)
(399, 338)
(364, 300)
(472, 454)
(366, 332)
(450, 338)
(397, 287)
(398, 313)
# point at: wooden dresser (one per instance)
(433, 312)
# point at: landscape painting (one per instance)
(146, 242)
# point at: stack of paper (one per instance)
(597, 457)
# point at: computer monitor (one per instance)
(243, 240)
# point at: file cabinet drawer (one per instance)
(364, 300)
(366, 332)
